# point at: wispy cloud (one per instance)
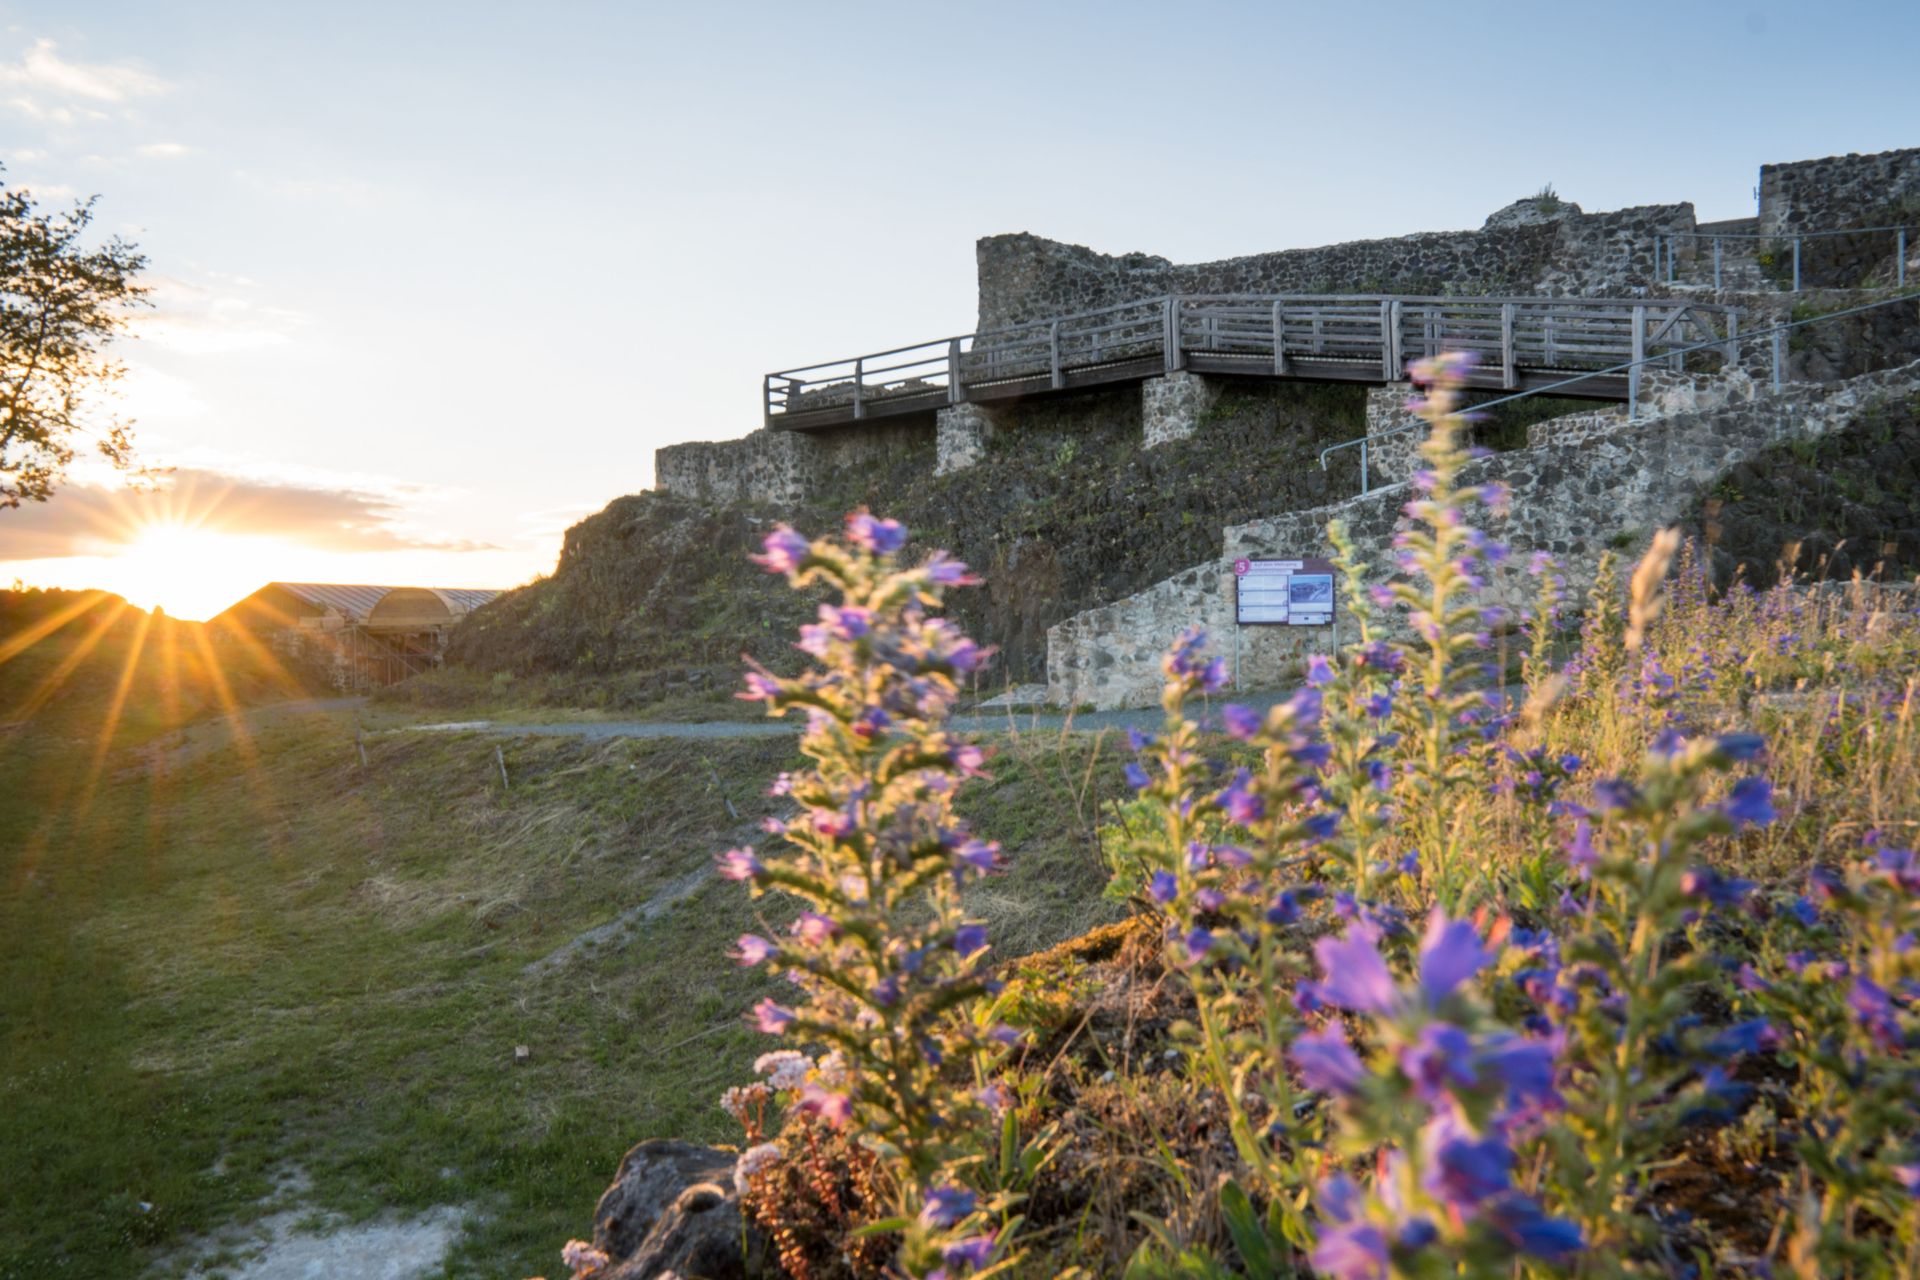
(42, 73)
(199, 319)
(97, 520)
(163, 150)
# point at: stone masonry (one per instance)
(1026, 277)
(778, 467)
(1395, 458)
(962, 432)
(1575, 496)
(1171, 407)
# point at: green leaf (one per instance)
(1256, 1250)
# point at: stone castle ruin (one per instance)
(1646, 314)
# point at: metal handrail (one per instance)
(1795, 237)
(1783, 235)
(1776, 332)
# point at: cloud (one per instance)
(42, 71)
(163, 150)
(84, 520)
(194, 319)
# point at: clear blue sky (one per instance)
(437, 278)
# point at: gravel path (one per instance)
(1005, 722)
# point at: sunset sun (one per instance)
(193, 571)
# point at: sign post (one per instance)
(1283, 593)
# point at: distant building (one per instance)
(352, 637)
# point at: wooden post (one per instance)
(1639, 354)
(1387, 371)
(1508, 378)
(766, 399)
(1169, 338)
(1716, 262)
(860, 387)
(1059, 379)
(956, 390)
(1733, 338)
(1796, 264)
(1279, 340)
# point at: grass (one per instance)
(259, 956)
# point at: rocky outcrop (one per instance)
(672, 1209)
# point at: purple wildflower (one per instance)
(751, 950)
(1438, 1060)
(1357, 1251)
(1450, 953)
(1355, 977)
(833, 1107)
(1874, 1007)
(1528, 1228)
(946, 1206)
(772, 1018)
(1241, 722)
(882, 537)
(945, 571)
(1742, 1038)
(969, 939)
(972, 1253)
(1750, 801)
(783, 551)
(741, 864)
(1163, 888)
(1319, 670)
(1326, 1061)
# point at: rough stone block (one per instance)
(961, 435)
(1392, 460)
(1171, 407)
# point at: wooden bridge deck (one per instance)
(1522, 343)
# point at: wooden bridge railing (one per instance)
(1351, 338)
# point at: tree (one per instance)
(62, 303)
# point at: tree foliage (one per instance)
(62, 302)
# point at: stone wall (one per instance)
(1171, 407)
(1837, 192)
(1833, 192)
(1026, 277)
(1575, 497)
(781, 468)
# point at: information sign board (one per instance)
(1284, 593)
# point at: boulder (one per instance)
(701, 1234)
(672, 1208)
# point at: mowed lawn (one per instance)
(251, 958)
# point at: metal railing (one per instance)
(1727, 348)
(1665, 258)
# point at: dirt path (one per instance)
(1003, 722)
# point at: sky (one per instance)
(433, 281)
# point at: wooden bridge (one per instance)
(1522, 344)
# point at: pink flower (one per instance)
(882, 537)
(784, 552)
(751, 950)
(813, 928)
(770, 1018)
(741, 864)
(583, 1258)
(833, 1107)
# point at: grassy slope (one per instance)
(260, 956)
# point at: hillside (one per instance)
(654, 597)
(271, 980)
